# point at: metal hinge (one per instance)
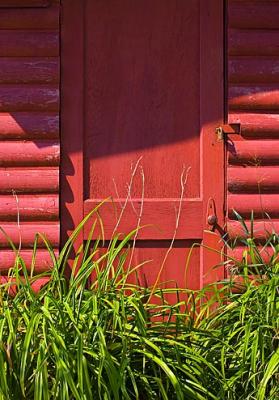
(223, 130)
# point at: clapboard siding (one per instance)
(253, 101)
(29, 128)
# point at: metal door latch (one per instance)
(223, 130)
(212, 218)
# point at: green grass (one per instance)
(95, 335)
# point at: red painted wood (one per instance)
(212, 152)
(72, 116)
(257, 125)
(261, 229)
(253, 97)
(239, 252)
(29, 180)
(29, 125)
(253, 180)
(29, 207)
(43, 261)
(26, 232)
(159, 214)
(254, 152)
(11, 285)
(30, 18)
(252, 42)
(263, 205)
(24, 3)
(29, 98)
(253, 14)
(252, 174)
(31, 153)
(140, 102)
(253, 70)
(29, 70)
(29, 43)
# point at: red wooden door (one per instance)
(142, 85)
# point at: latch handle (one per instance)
(211, 214)
(227, 129)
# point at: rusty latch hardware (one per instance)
(212, 218)
(224, 130)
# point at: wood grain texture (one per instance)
(29, 70)
(245, 42)
(42, 260)
(239, 252)
(26, 232)
(29, 43)
(30, 18)
(253, 69)
(254, 152)
(24, 3)
(159, 217)
(72, 117)
(261, 229)
(145, 96)
(29, 98)
(29, 125)
(253, 97)
(256, 125)
(136, 106)
(262, 205)
(253, 88)
(11, 285)
(31, 153)
(247, 14)
(253, 180)
(29, 207)
(28, 180)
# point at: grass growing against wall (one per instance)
(108, 338)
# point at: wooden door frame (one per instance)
(72, 116)
(212, 114)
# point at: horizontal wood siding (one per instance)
(253, 98)
(29, 128)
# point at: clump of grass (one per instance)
(84, 338)
(96, 334)
(245, 347)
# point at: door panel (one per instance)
(153, 96)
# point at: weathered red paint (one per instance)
(253, 99)
(158, 213)
(141, 84)
(26, 125)
(139, 79)
(254, 152)
(29, 127)
(25, 233)
(25, 70)
(31, 153)
(29, 180)
(249, 179)
(24, 3)
(29, 207)
(265, 126)
(41, 260)
(30, 18)
(262, 229)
